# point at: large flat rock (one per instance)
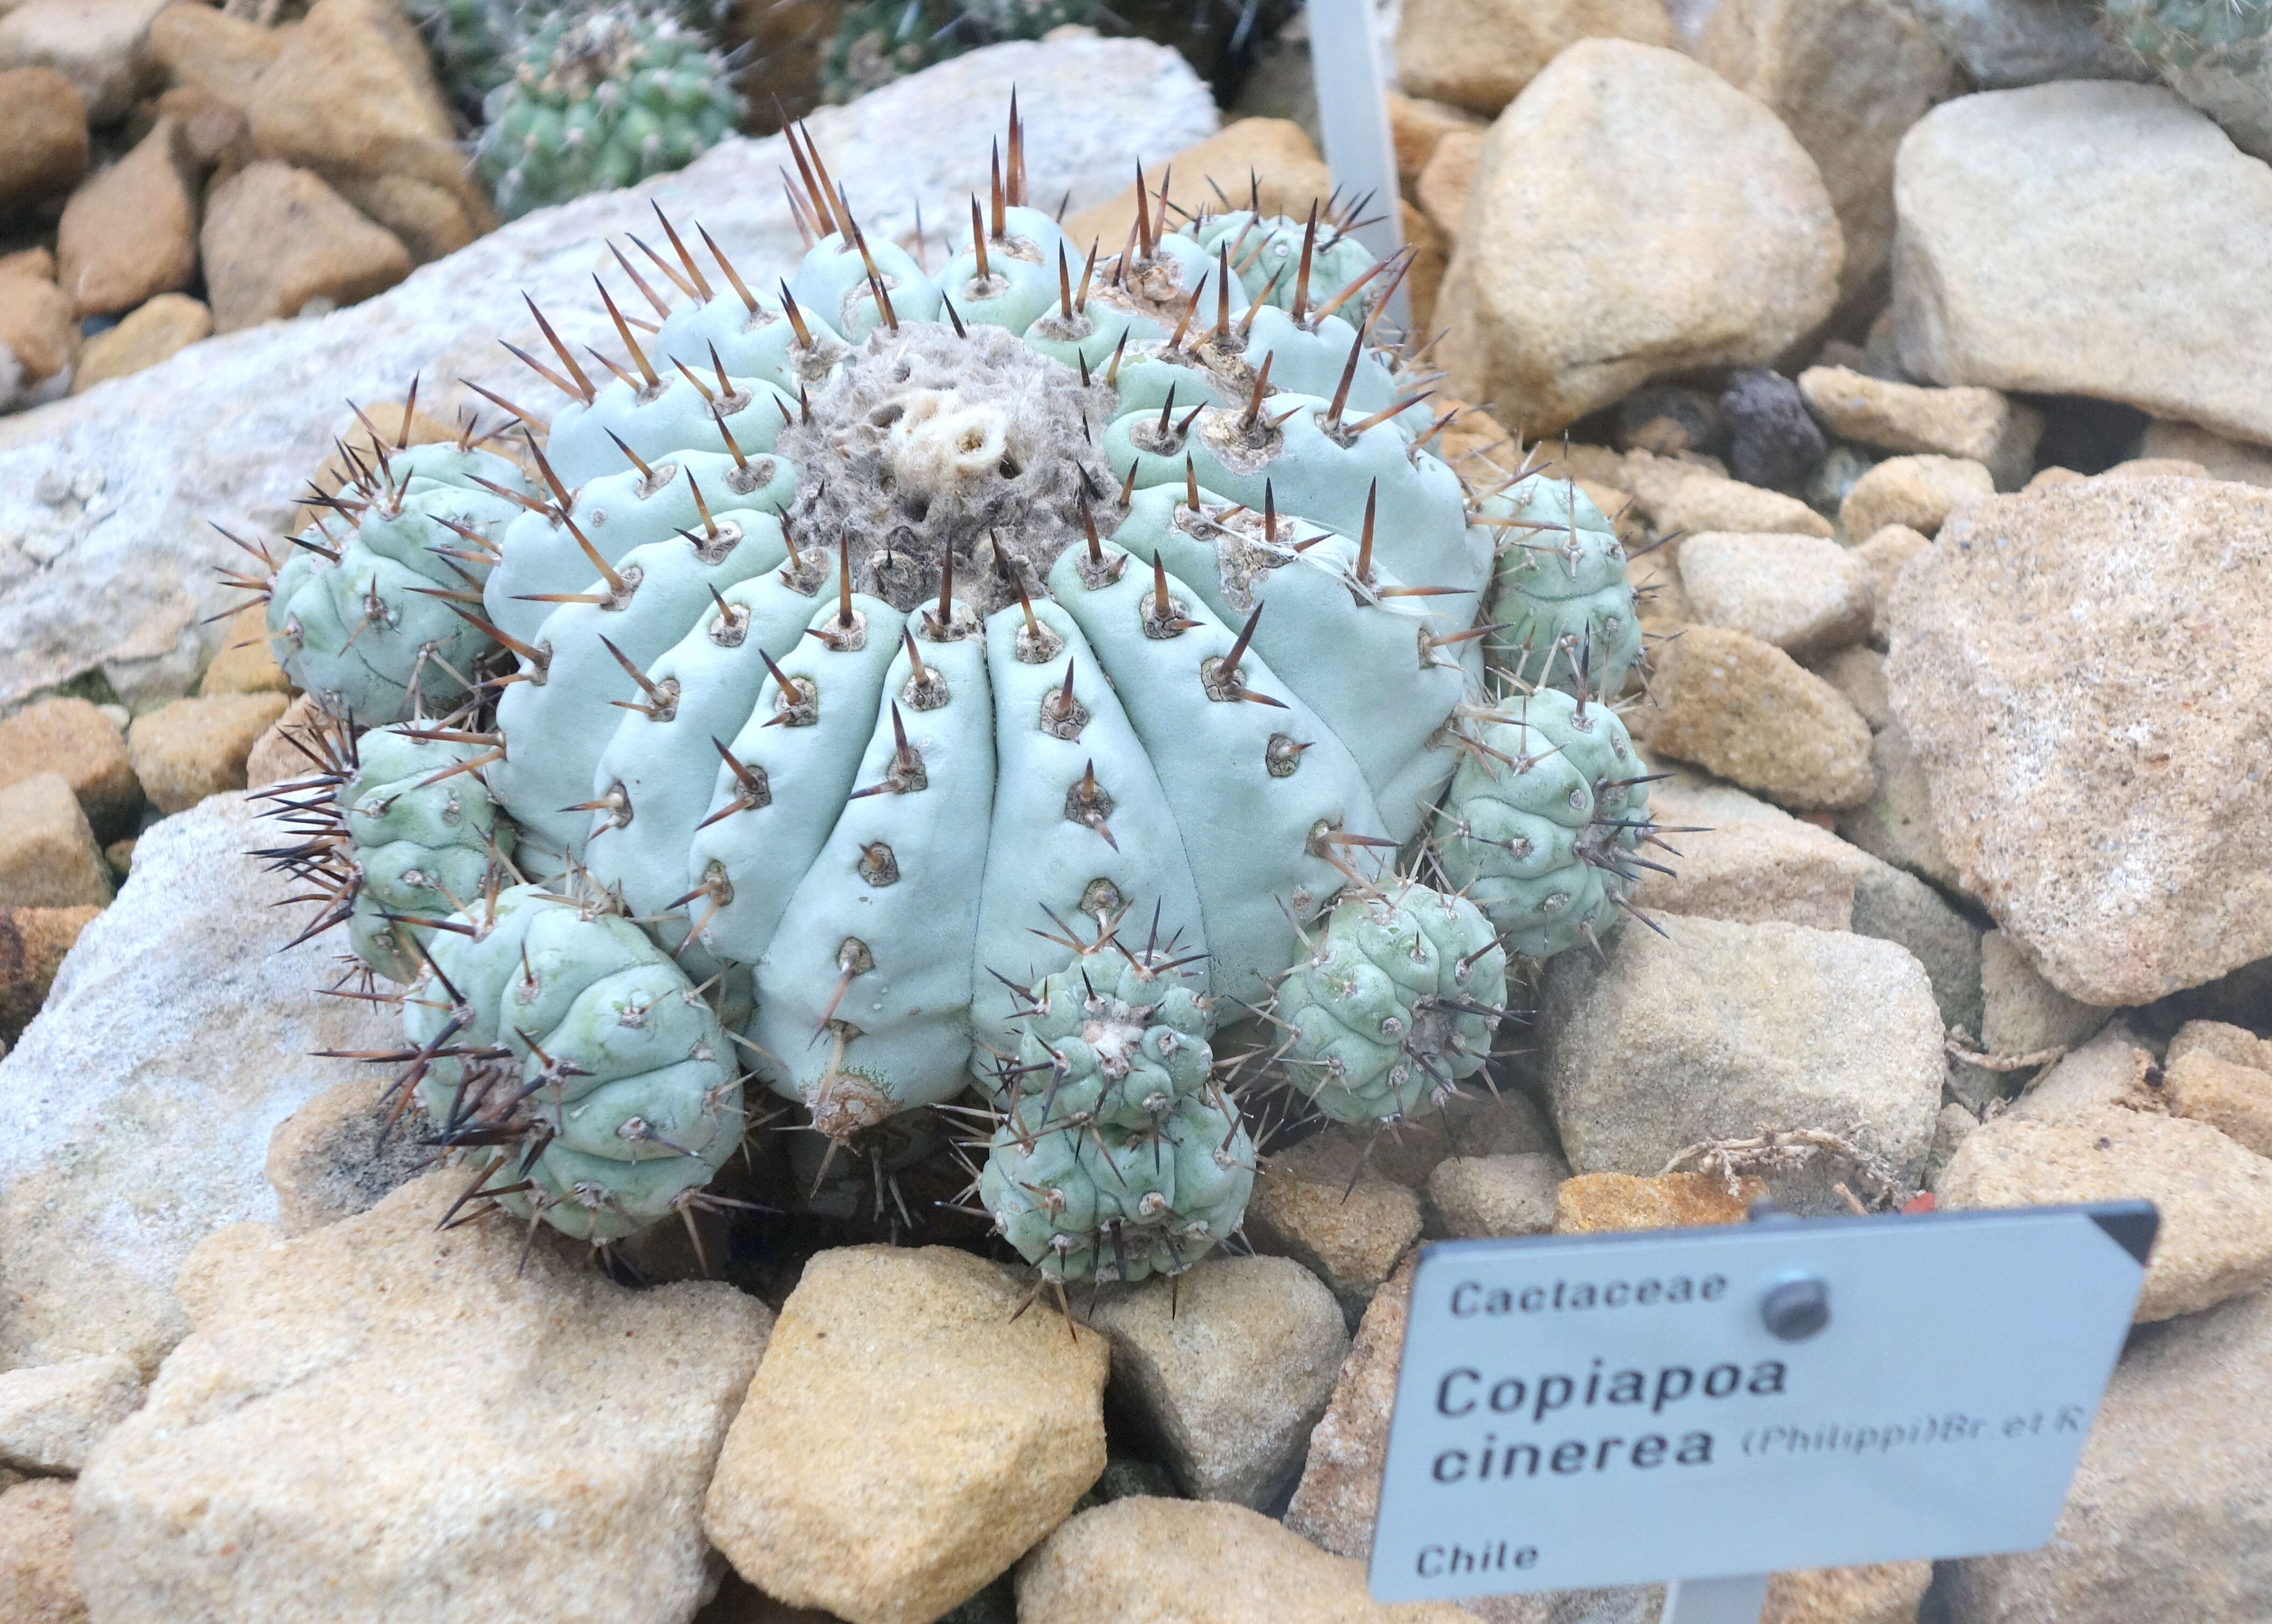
(106, 557)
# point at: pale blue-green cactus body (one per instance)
(1394, 1005)
(1560, 597)
(422, 840)
(595, 1085)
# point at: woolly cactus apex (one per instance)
(362, 611)
(1545, 820)
(1118, 1157)
(1560, 597)
(1395, 1004)
(601, 99)
(574, 1064)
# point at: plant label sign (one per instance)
(1623, 1408)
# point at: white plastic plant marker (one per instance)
(1353, 115)
(1713, 1405)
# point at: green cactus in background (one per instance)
(879, 41)
(474, 42)
(584, 1074)
(2217, 54)
(600, 99)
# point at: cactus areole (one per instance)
(1001, 675)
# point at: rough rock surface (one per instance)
(278, 242)
(1718, 1029)
(193, 748)
(98, 487)
(1592, 1203)
(2110, 1070)
(43, 147)
(905, 1440)
(2168, 1517)
(50, 1415)
(101, 46)
(2215, 1197)
(1699, 501)
(1803, 593)
(1339, 1495)
(102, 1106)
(1896, 823)
(39, 335)
(333, 1158)
(1887, 551)
(48, 854)
(2234, 1099)
(1271, 157)
(163, 326)
(1916, 492)
(1881, 1593)
(380, 1421)
(2024, 1012)
(130, 232)
(1175, 1559)
(1749, 712)
(1747, 860)
(2225, 458)
(2038, 670)
(2093, 239)
(1859, 673)
(1226, 1368)
(2007, 42)
(1698, 182)
(1479, 54)
(1469, 1196)
(37, 1585)
(1985, 425)
(33, 943)
(1304, 1206)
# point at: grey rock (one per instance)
(135, 1110)
(1727, 1029)
(1897, 907)
(1226, 1369)
(2108, 1070)
(1469, 1196)
(2088, 239)
(106, 561)
(1770, 438)
(1896, 823)
(2024, 1012)
(2007, 42)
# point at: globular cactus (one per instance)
(1394, 1005)
(1560, 602)
(2217, 54)
(361, 606)
(1118, 1156)
(600, 98)
(473, 42)
(879, 41)
(573, 1062)
(1545, 820)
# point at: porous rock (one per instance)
(247, 661)
(1750, 713)
(1887, 552)
(43, 145)
(2214, 1196)
(2235, 1045)
(1849, 78)
(231, 428)
(1339, 1497)
(1226, 1368)
(101, 46)
(1804, 594)
(2225, 458)
(37, 1585)
(1304, 1206)
(48, 854)
(1147, 1558)
(2036, 671)
(1744, 859)
(2024, 1012)
(1897, 907)
(72, 737)
(1859, 673)
(1469, 1196)
(1483, 1123)
(1918, 492)
(193, 748)
(1695, 500)
(2234, 1099)
(131, 231)
(2093, 239)
(352, 93)
(1479, 54)
(1767, 436)
(275, 757)
(974, 1434)
(277, 240)
(291, 1465)
(1880, 1593)
(2168, 1516)
(39, 335)
(176, 1037)
(337, 1155)
(51, 1415)
(33, 943)
(1695, 180)
(2108, 1071)
(163, 325)
(1592, 1203)
(1982, 425)
(1718, 1029)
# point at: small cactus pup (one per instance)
(1118, 1156)
(1562, 608)
(923, 602)
(572, 1064)
(1544, 821)
(603, 96)
(1394, 1005)
(364, 605)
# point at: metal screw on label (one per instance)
(1795, 1309)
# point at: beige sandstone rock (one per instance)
(193, 748)
(1444, 186)
(246, 662)
(39, 264)
(167, 324)
(1750, 713)
(1804, 594)
(131, 231)
(2110, 1070)
(2235, 1045)
(101, 46)
(1469, 1196)
(1415, 125)
(2225, 458)
(1479, 54)
(1888, 552)
(1919, 492)
(1896, 823)
(2214, 1196)
(275, 758)
(975, 1436)
(209, 47)
(2156, 467)
(2024, 1012)
(1425, 278)
(1883, 1593)
(73, 737)
(378, 1421)
(51, 1415)
(353, 92)
(1474, 1124)
(1983, 425)
(277, 239)
(1226, 1369)
(1303, 1207)
(37, 1585)
(2095, 239)
(1228, 1566)
(1695, 181)
(38, 333)
(33, 943)
(1747, 860)
(1699, 501)
(1859, 673)
(1339, 1492)
(429, 220)
(1273, 152)
(1594, 1202)
(327, 1160)
(2235, 1100)
(48, 854)
(2036, 670)
(43, 145)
